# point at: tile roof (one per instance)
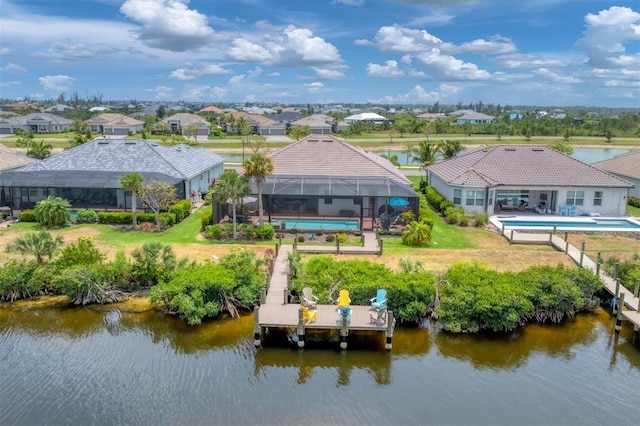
(22, 120)
(131, 155)
(520, 165)
(627, 164)
(313, 122)
(12, 159)
(114, 119)
(185, 118)
(327, 155)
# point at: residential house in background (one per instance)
(286, 117)
(261, 125)
(429, 116)
(475, 118)
(59, 109)
(211, 109)
(319, 124)
(89, 175)
(37, 122)
(182, 120)
(370, 117)
(10, 159)
(115, 124)
(625, 166)
(511, 177)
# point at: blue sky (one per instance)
(524, 52)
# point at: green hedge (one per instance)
(181, 210)
(27, 216)
(634, 202)
(115, 218)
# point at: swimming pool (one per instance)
(322, 224)
(614, 224)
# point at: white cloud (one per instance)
(10, 83)
(285, 47)
(447, 68)
(66, 50)
(5, 51)
(496, 45)
(12, 68)
(199, 93)
(389, 70)
(349, 2)
(328, 74)
(161, 92)
(168, 24)
(198, 71)
(56, 83)
(236, 79)
(606, 35)
(530, 60)
(553, 77)
(405, 40)
(419, 95)
(315, 86)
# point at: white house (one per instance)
(511, 177)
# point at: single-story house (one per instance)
(89, 175)
(37, 122)
(114, 124)
(429, 116)
(625, 166)
(211, 109)
(261, 125)
(59, 109)
(286, 117)
(370, 117)
(319, 124)
(527, 177)
(181, 121)
(323, 176)
(475, 118)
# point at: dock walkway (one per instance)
(276, 311)
(631, 300)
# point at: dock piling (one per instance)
(263, 295)
(581, 253)
(636, 289)
(619, 315)
(256, 326)
(344, 330)
(389, 333)
(616, 296)
(301, 327)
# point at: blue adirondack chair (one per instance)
(380, 301)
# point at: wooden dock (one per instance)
(629, 298)
(276, 311)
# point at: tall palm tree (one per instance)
(231, 187)
(39, 150)
(39, 244)
(132, 182)
(258, 167)
(450, 149)
(426, 154)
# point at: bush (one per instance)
(463, 220)
(15, 280)
(213, 231)
(634, 202)
(480, 219)
(116, 218)
(265, 232)
(342, 237)
(27, 216)
(167, 219)
(301, 238)
(146, 217)
(330, 238)
(181, 210)
(205, 219)
(86, 216)
(81, 252)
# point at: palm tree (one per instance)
(258, 167)
(450, 149)
(231, 187)
(39, 244)
(426, 154)
(39, 150)
(52, 211)
(416, 234)
(132, 182)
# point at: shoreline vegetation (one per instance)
(466, 297)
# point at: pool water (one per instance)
(620, 224)
(323, 224)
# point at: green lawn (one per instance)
(633, 211)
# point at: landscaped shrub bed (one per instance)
(245, 232)
(472, 297)
(27, 216)
(634, 202)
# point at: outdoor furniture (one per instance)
(378, 310)
(343, 306)
(308, 299)
(309, 314)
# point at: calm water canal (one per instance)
(129, 365)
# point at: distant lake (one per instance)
(587, 155)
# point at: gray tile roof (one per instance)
(624, 164)
(22, 120)
(520, 165)
(326, 155)
(131, 155)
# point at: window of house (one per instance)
(457, 197)
(328, 200)
(490, 197)
(597, 198)
(475, 198)
(575, 198)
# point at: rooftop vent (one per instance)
(537, 149)
(103, 142)
(510, 149)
